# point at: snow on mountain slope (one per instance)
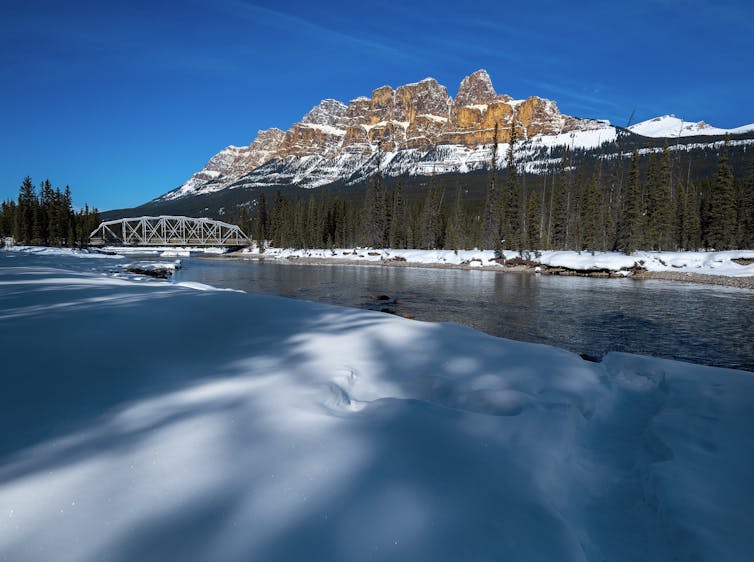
(415, 123)
(420, 130)
(149, 421)
(670, 126)
(314, 171)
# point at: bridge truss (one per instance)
(167, 231)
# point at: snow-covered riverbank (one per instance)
(738, 263)
(145, 420)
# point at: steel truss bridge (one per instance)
(167, 231)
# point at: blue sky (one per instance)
(124, 100)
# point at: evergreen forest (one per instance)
(46, 218)
(647, 201)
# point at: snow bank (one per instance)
(712, 263)
(164, 251)
(150, 421)
(67, 252)
(452, 257)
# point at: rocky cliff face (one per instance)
(420, 116)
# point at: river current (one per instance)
(591, 316)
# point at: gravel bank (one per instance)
(738, 282)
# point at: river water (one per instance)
(690, 322)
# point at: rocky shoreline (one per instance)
(722, 280)
(637, 274)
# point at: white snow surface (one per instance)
(68, 252)
(709, 263)
(671, 126)
(150, 421)
(164, 251)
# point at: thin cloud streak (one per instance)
(243, 8)
(575, 94)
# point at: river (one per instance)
(591, 316)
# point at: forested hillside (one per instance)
(648, 201)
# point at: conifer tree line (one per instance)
(645, 202)
(46, 218)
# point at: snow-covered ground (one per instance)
(712, 263)
(164, 251)
(146, 420)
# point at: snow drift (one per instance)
(145, 420)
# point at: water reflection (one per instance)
(696, 323)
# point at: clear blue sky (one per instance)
(124, 100)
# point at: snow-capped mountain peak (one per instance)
(421, 130)
(670, 126)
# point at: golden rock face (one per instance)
(421, 115)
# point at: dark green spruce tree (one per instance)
(26, 209)
(591, 215)
(722, 231)
(512, 199)
(746, 213)
(491, 219)
(534, 220)
(630, 222)
(399, 220)
(373, 212)
(261, 221)
(431, 223)
(455, 231)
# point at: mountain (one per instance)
(418, 130)
(670, 126)
(415, 129)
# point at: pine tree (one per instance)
(7, 218)
(491, 221)
(280, 222)
(398, 237)
(660, 214)
(666, 212)
(512, 199)
(543, 213)
(454, 233)
(746, 212)
(373, 213)
(63, 217)
(339, 221)
(244, 220)
(722, 231)
(650, 205)
(312, 233)
(431, 218)
(534, 220)
(612, 205)
(48, 212)
(693, 240)
(574, 200)
(591, 224)
(298, 239)
(27, 202)
(559, 206)
(261, 222)
(630, 224)
(388, 197)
